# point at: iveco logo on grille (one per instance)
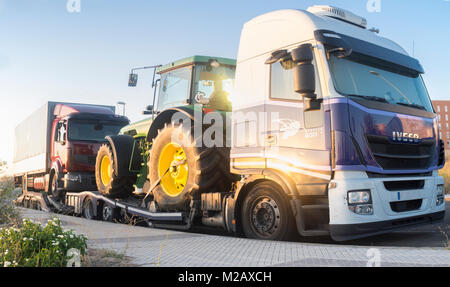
(405, 137)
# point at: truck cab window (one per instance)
(282, 88)
(282, 81)
(175, 87)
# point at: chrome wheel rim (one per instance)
(265, 216)
(107, 213)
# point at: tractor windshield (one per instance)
(214, 85)
(175, 86)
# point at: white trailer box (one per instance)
(32, 141)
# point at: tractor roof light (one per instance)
(214, 63)
(338, 13)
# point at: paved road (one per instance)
(157, 247)
(434, 235)
(431, 235)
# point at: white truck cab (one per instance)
(339, 115)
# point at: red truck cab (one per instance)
(56, 147)
(78, 132)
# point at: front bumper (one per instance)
(343, 232)
(79, 181)
(345, 224)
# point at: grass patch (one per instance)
(103, 253)
(106, 258)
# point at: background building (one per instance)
(442, 109)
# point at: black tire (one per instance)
(110, 213)
(208, 168)
(53, 183)
(266, 213)
(54, 187)
(88, 209)
(112, 186)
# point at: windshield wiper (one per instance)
(412, 106)
(370, 98)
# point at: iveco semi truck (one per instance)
(331, 133)
(56, 146)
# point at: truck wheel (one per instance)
(110, 213)
(53, 184)
(266, 213)
(88, 209)
(108, 183)
(54, 188)
(184, 169)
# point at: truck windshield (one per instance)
(91, 130)
(356, 79)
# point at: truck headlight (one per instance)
(360, 202)
(440, 197)
(359, 196)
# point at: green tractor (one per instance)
(161, 157)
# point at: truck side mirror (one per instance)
(132, 80)
(61, 133)
(148, 110)
(304, 75)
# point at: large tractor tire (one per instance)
(185, 170)
(108, 183)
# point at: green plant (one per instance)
(8, 213)
(35, 245)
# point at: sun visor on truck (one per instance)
(360, 47)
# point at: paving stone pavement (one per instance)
(158, 247)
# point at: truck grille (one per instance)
(391, 155)
(404, 185)
(84, 159)
(407, 205)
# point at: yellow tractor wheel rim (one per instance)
(174, 181)
(105, 170)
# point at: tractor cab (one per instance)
(196, 80)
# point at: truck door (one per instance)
(60, 144)
(296, 139)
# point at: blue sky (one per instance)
(47, 53)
